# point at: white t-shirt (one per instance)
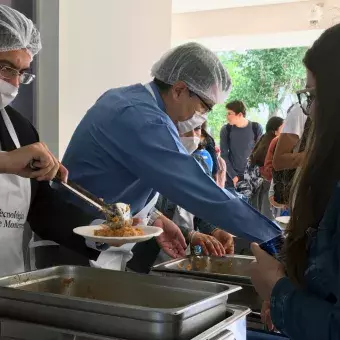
(295, 121)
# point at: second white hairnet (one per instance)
(17, 32)
(198, 67)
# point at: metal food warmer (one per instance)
(229, 269)
(69, 302)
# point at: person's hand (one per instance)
(171, 240)
(221, 175)
(265, 316)
(265, 272)
(226, 240)
(210, 245)
(19, 161)
(235, 181)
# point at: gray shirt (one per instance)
(237, 144)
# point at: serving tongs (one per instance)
(109, 210)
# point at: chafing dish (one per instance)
(233, 327)
(231, 269)
(119, 304)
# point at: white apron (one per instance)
(15, 199)
(116, 258)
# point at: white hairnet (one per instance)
(198, 67)
(17, 32)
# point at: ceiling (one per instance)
(185, 6)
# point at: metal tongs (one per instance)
(110, 210)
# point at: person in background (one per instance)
(212, 240)
(237, 140)
(254, 186)
(274, 128)
(208, 156)
(303, 290)
(219, 166)
(221, 175)
(267, 169)
(289, 152)
(26, 195)
(276, 208)
(284, 157)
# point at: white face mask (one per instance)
(188, 125)
(8, 92)
(190, 143)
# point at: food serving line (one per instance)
(197, 298)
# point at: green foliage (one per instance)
(260, 77)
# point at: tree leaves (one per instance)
(260, 77)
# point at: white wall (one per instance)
(280, 25)
(102, 44)
(47, 81)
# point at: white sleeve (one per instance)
(295, 122)
(271, 191)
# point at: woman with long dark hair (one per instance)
(304, 291)
(273, 129)
(254, 186)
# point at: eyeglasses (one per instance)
(7, 72)
(209, 107)
(306, 98)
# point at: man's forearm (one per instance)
(4, 159)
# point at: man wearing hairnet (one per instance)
(21, 198)
(127, 147)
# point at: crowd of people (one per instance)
(180, 181)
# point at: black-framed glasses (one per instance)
(7, 72)
(209, 107)
(306, 98)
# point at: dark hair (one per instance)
(238, 107)
(163, 87)
(209, 145)
(260, 150)
(321, 169)
(273, 124)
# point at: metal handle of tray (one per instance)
(223, 335)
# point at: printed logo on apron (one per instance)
(15, 198)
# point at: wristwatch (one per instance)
(154, 215)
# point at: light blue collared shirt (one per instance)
(126, 146)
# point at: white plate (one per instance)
(88, 233)
(283, 219)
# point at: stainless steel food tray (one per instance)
(14, 329)
(231, 269)
(120, 304)
(228, 267)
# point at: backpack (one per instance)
(254, 127)
(283, 179)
